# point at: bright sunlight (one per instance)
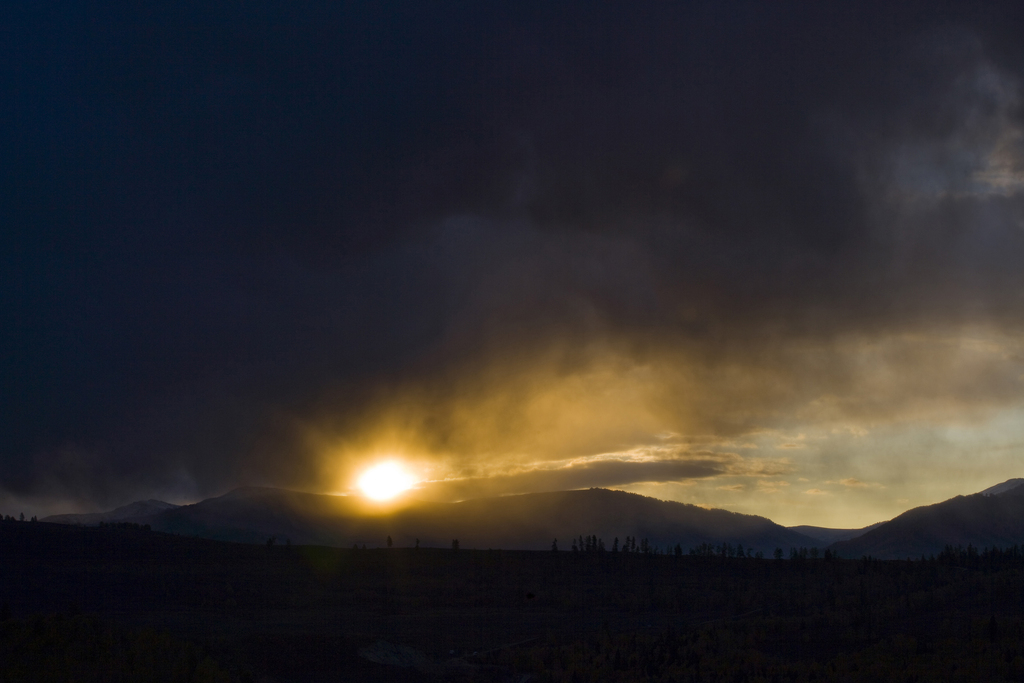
(385, 481)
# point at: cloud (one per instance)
(851, 482)
(855, 430)
(603, 471)
(982, 153)
(816, 492)
(549, 266)
(586, 475)
(768, 486)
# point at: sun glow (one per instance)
(385, 481)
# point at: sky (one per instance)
(767, 257)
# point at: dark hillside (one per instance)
(529, 521)
(514, 521)
(980, 520)
(126, 513)
(524, 522)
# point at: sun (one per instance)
(384, 481)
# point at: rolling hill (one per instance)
(126, 513)
(525, 522)
(992, 518)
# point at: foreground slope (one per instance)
(304, 613)
(982, 520)
(527, 522)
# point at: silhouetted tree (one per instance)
(417, 544)
(389, 541)
(455, 544)
(21, 517)
(778, 553)
(554, 546)
(615, 545)
(271, 541)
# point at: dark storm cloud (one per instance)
(227, 221)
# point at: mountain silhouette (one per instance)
(1007, 485)
(992, 518)
(827, 536)
(524, 522)
(126, 513)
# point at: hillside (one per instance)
(982, 520)
(526, 522)
(993, 517)
(125, 513)
(826, 535)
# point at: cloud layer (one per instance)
(270, 244)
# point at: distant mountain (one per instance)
(126, 513)
(826, 536)
(994, 517)
(1007, 485)
(528, 522)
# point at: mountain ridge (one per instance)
(1007, 485)
(527, 521)
(980, 519)
(129, 512)
(532, 521)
